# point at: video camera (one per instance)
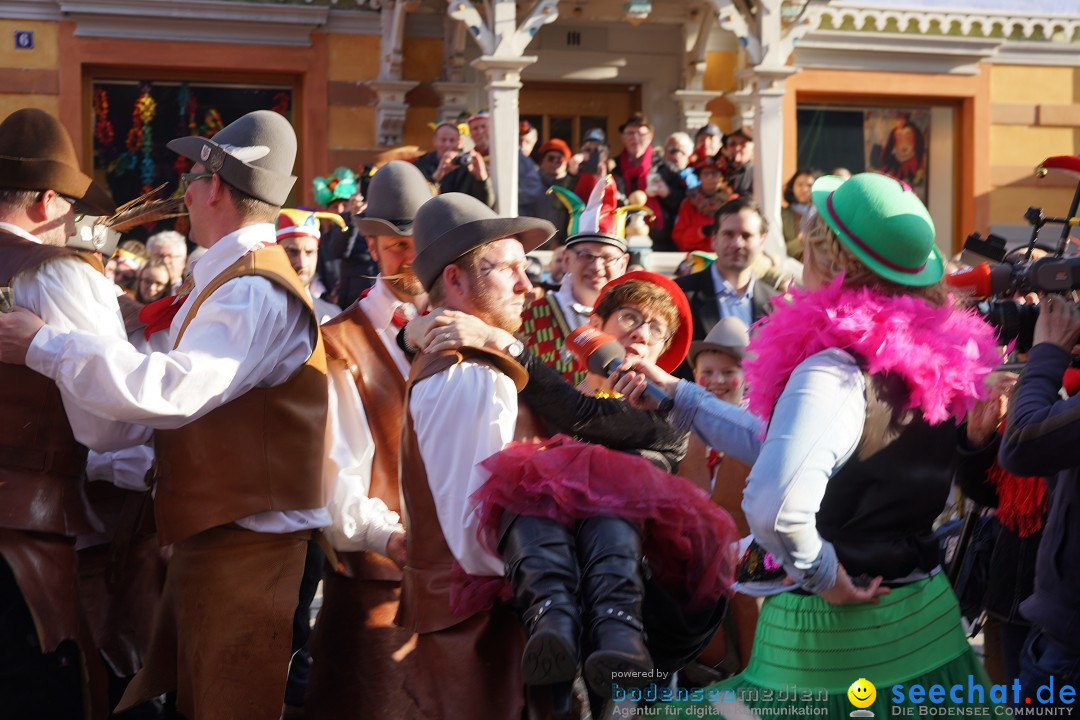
(997, 275)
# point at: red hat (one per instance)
(680, 342)
(557, 145)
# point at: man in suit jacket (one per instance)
(728, 287)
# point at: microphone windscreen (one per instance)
(595, 349)
(974, 283)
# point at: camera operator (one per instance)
(1042, 437)
(453, 169)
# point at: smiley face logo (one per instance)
(862, 693)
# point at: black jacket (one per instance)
(1042, 437)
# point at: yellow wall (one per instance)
(1035, 114)
(42, 60)
(720, 69)
(44, 54)
(354, 57)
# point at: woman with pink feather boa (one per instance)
(860, 378)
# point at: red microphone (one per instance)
(602, 354)
(982, 281)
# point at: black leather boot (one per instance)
(542, 568)
(613, 590)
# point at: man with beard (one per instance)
(594, 255)
(367, 373)
(461, 408)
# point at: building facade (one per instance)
(965, 101)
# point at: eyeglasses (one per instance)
(630, 320)
(589, 258)
(553, 157)
(675, 150)
(187, 178)
(71, 201)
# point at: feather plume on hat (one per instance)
(600, 219)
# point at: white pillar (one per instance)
(768, 97)
(503, 84)
(693, 111)
(502, 42)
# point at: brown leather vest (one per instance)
(351, 339)
(257, 453)
(41, 463)
(425, 587)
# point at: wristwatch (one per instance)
(515, 349)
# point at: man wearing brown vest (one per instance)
(461, 408)
(360, 657)
(45, 645)
(239, 406)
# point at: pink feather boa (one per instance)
(942, 354)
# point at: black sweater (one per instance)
(610, 422)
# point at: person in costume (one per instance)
(596, 253)
(236, 506)
(860, 379)
(460, 408)
(298, 232)
(572, 529)
(367, 373)
(49, 666)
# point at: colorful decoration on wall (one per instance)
(103, 127)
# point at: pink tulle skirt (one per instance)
(688, 540)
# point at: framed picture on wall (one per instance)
(896, 142)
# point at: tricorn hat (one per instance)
(452, 224)
(36, 153)
(254, 154)
(729, 336)
(396, 192)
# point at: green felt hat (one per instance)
(881, 221)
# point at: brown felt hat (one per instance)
(450, 225)
(36, 153)
(396, 192)
(254, 154)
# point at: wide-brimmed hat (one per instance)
(680, 341)
(396, 192)
(254, 154)
(450, 225)
(729, 336)
(883, 223)
(36, 153)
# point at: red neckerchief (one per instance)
(715, 458)
(158, 315)
(635, 174)
(1022, 501)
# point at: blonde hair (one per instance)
(829, 257)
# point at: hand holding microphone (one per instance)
(602, 354)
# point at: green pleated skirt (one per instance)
(807, 654)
